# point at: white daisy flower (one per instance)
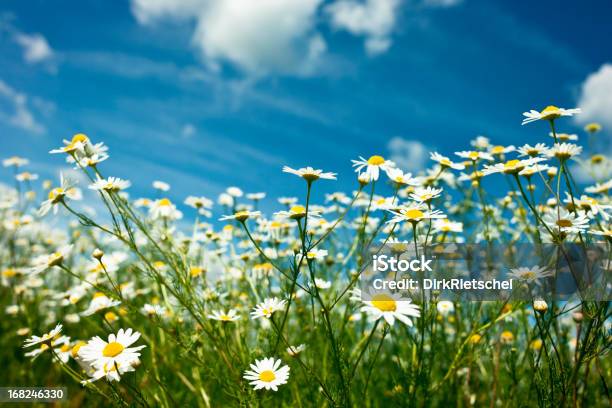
(220, 315)
(564, 137)
(297, 212)
(399, 177)
(564, 151)
(163, 208)
(511, 166)
(548, 113)
(372, 166)
(153, 310)
(475, 155)
(241, 216)
(531, 275)
(532, 151)
(445, 162)
(99, 302)
(161, 186)
(563, 221)
(267, 308)
(267, 374)
(15, 161)
(445, 225)
(295, 350)
(77, 144)
(45, 338)
(391, 306)
(599, 188)
(445, 307)
(58, 194)
(309, 174)
(499, 150)
(314, 254)
(425, 194)
(414, 214)
(322, 283)
(111, 184)
(105, 357)
(590, 205)
(256, 196)
(44, 262)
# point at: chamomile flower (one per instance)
(202, 204)
(590, 205)
(592, 127)
(400, 178)
(267, 374)
(45, 262)
(45, 338)
(309, 174)
(111, 184)
(530, 275)
(105, 357)
(267, 308)
(222, 316)
(295, 350)
(372, 166)
(297, 212)
(15, 161)
(599, 188)
(414, 214)
(98, 303)
(548, 113)
(564, 151)
(511, 166)
(563, 221)
(475, 155)
(445, 307)
(58, 195)
(425, 194)
(314, 254)
(322, 283)
(501, 150)
(445, 162)
(164, 209)
(533, 151)
(77, 144)
(445, 226)
(564, 137)
(241, 216)
(391, 306)
(161, 186)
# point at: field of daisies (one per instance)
(134, 306)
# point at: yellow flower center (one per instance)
(445, 162)
(473, 155)
(413, 214)
(9, 273)
(164, 202)
(550, 112)
(76, 348)
(497, 149)
(376, 160)
(511, 164)
(79, 137)
(98, 294)
(267, 376)
(112, 349)
(598, 158)
(195, 271)
(56, 194)
(564, 223)
(384, 303)
(225, 318)
(529, 275)
(298, 209)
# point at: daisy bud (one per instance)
(540, 306)
(577, 316)
(363, 179)
(98, 254)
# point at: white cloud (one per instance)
(35, 47)
(260, 36)
(596, 98)
(14, 110)
(373, 19)
(410, 155)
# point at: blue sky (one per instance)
(205, 96)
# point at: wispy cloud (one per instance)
(411, 155)
(15, 110)
(35, 47)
